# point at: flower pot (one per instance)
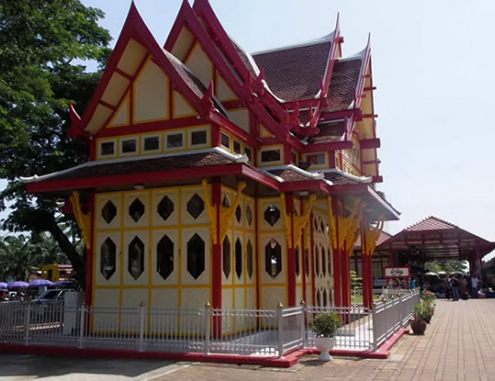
(418, 327)
(324, 345)
(428, 317)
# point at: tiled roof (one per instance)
(244, 58)
(294, 73)
(431, 223)
(382, 238)
(340, 178)
(288, 175)
(329, 133)
(345, 77)
(127, 167)
(189, 78)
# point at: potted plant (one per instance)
(418, 323)
(325, 326)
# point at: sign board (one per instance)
(397, 272)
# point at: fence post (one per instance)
(27, 321)
(81, 325)
(375, 327)
(207, 328)
(141, 327)
(303, 323)
(280, 321)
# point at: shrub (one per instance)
(326, 325)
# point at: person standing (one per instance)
(474, 286)
(463, 287)
(448, 287)
(455, 288)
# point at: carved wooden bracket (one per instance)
(83, 219)
(298, 221)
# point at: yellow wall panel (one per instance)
(151, 94)
(240, 117)
(182, 44)
(121, 116)
(200, 64)
(182, 108)
(223, 90)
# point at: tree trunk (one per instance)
(78, 263)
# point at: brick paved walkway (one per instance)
(459, 344)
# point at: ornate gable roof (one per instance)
(431, 223)
(296, 72)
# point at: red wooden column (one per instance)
(302, 258)
(312, 259)
(88, 291)
(216, 261)
(291, 253)
(337, 272)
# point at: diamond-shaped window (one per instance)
(195, 206)
(108, 252)
(273, 258)
(249, 215)
(165, 208)
(165, 257)
(108, 212)
(225, 202)
(272, 214)
(238, 213)
(136, 210)
(136, 258)
(196, 256)
(238, 257)
(249, 259)
(226, 266)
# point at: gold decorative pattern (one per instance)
(226, 213)
(372, 236)
(83, 219)
(299, 222)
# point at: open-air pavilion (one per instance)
(431, 239)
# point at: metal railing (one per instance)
(205, 330)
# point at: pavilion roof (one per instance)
(343, 84)
(439, 239)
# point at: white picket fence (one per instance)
(205, 330)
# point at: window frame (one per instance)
(128, 139)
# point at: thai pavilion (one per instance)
(219, 176)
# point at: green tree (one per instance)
(447, 265)
(21, 256)
(356, 281)
(42, 45)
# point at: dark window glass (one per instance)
(108, 212)
(174, 141)
(329, 261)
(323, 265)
(248, 153)
(225, 202)
(152, 143)
(129, 146)
(249, 259)
(225, 140)
(107, 148)
(195, 206)
(107, 258)
(294, 158)
(198, 137)
(238, 213)
(316, 159)
(136, 258)
(273, 258)
(196, 256)
(270, 155)
(238, 257)
(272, 214)
(226, 257)
(237, 147)
(249, 215)
(298, 265)
(165, 208)
(165, 257)
(317, 262)
(136, 210)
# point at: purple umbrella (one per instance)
(17, 284)
(61, 283)
(3, 285)
(40, 283)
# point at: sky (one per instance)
(432, 65)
